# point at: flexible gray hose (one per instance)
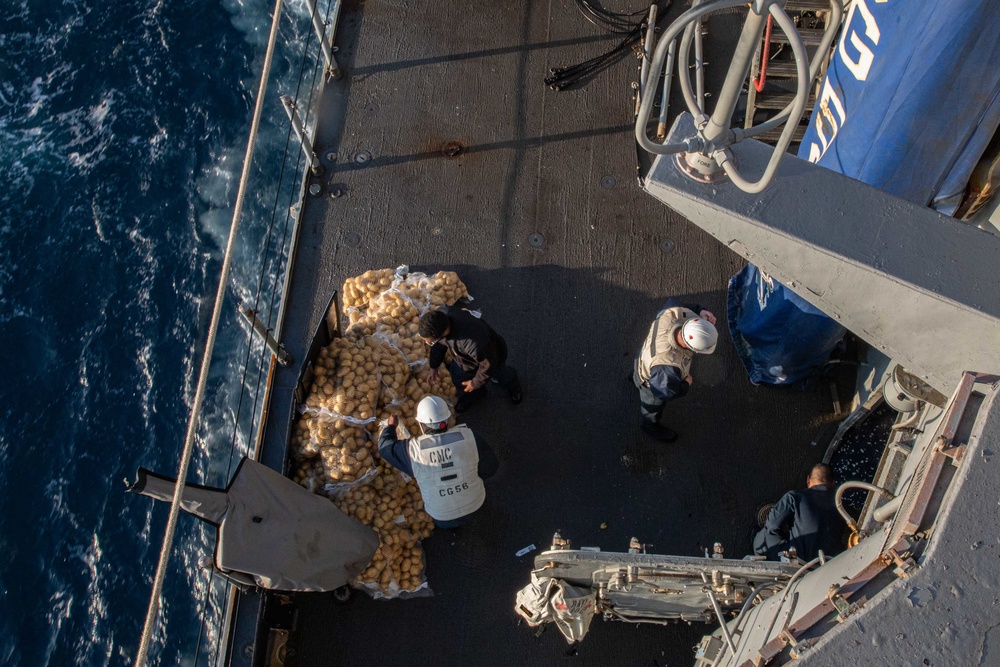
(839, 499)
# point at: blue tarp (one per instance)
(772, 354)
(911, 97)
(910, 101)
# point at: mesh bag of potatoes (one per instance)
(422, 291)
(378, 368)
(345, 382)
(357, 292)
(392, 506)
(307, 468)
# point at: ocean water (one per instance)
(123, 127)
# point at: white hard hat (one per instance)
(432, 410)
(700, 335)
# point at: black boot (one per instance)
(658, 431)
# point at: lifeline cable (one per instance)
(199, 397)
(312, 88)
(260, 287)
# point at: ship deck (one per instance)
(574, 310)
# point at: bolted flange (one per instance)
(699, 167)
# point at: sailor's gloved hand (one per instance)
(689, 379)
(433, 375)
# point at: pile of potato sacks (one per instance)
(377, 369)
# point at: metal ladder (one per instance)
(773, 70)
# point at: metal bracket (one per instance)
(276, 348)
(796, 648)
(843, 607)
(799, 649)
(903, 560)
(956, 453)
(788, 638)
(560, 543)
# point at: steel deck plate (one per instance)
(573, 308)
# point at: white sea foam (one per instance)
(158, 142)
(60, 604)
(145, 385)
(90, 132)
(94, 647)
(58, 507)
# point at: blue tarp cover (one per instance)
(909, 103)
(910, 99)
(780, 337)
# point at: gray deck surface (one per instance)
(574, 311)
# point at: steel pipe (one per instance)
(668, 78)
(722, 619)
(887, 511)
(724, 157)
(656, 65)
(714, 134)
(648, 48)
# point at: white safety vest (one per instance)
(661, 348)
(446, 467)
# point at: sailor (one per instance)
(478, 354)
(662, 371)
(806, 519)
(448, 464)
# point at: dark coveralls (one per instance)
(806, 519)
(397, 454)
(471, 340)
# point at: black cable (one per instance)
(563, 77)
(616, 23)
(632, 25)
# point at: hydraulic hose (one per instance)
(839, 499)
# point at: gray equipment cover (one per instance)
(532, 601)
(548, 600)
(573, 608)
(272, 529)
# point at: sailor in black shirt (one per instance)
(478, 353)
(806, 519)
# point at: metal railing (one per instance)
(326, 32)
(706, 156)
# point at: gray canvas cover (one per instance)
(272, 529)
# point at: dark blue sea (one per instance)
(123, 127)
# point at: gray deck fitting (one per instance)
(919, 286)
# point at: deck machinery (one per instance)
(920, 287)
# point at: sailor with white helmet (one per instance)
(662, 370)
(448, 464)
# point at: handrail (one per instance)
(192, 427)
(656, 66)
(837, 13)
(714, 135)
(724, 156)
